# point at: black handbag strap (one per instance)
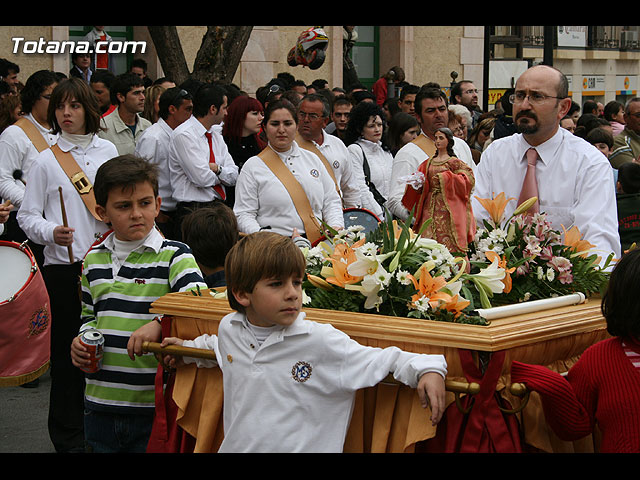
(367, 178)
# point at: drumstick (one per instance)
(65, 223)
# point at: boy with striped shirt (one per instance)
(122, 275)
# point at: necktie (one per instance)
(212, 159)
(530, 184)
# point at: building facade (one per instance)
(601, 63)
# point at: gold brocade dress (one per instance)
(446, 200)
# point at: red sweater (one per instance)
(603, 387)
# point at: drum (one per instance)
(362, 217)
(25, 317)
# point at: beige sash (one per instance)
(311, 147)
(426, 144)
(78, 179)
(33, 133)
(295, 190)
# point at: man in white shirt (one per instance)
(175, 107)
(124, 126)
(313, 116)
(574, 180)
(432, 111)
(199, 161)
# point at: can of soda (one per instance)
(93, 340)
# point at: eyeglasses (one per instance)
(311, 116)
(470, 91)
(534, 98)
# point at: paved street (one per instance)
(23, 418)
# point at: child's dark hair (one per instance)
(124, 171)
(210, 232)
(599, 135)
(620, 307)
(629, 177)
(257, 256)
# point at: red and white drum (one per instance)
(25, 316)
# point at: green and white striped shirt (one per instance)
(116, 300)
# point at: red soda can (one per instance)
(93, 340)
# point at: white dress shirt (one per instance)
(575, 185)
(336, 153)
(41, 211)
(407, 161)
(263, 201)
(295, 391)
(154, 146)
(18, 153)
(380, 165)
(191, 177)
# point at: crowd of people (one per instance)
(212, 166)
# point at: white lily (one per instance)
(366, 263)
(490, 278)
(369, 287)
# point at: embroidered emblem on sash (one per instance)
(301, 371)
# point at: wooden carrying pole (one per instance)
(152, 347)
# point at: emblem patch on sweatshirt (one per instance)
(301, 371)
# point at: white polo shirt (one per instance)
(18, 153)
(263, 201)
(336, 153)
(41, 210)
(295, 391)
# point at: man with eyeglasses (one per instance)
(175, 107)
(571, 178)
(465, 93)
(313, 117)
(626, 145)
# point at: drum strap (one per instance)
(310, 146)
(78, 179)
(33, 134)
(295, 190)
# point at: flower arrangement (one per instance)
(539, 262)
(393, 271)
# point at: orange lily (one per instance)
(573, 239)
(344, 255)
(495, 206)
(502, 263)
(456, 305)
(430, 287)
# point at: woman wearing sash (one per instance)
(445, 196)
(285, 188)
(73, 113)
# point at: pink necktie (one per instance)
(530, 184)
(212, 159)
